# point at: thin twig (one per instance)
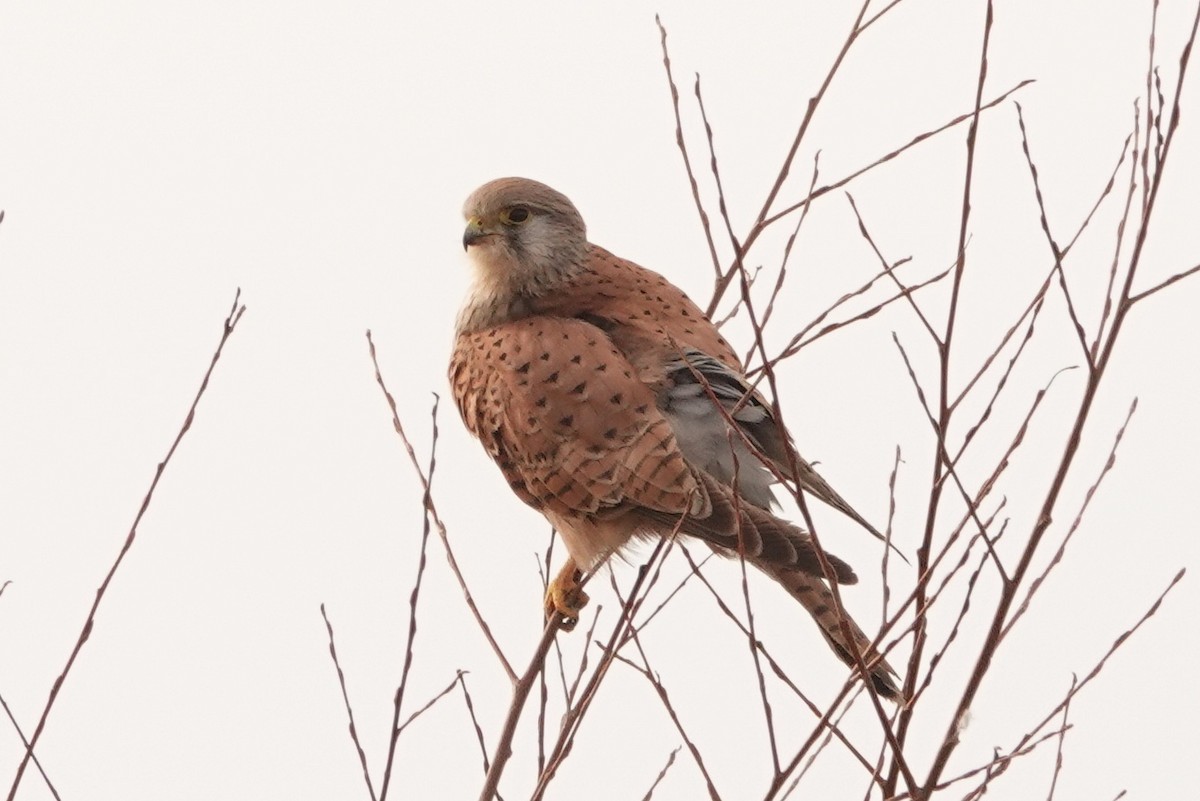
(679, 141)
(437, 520)
(889, 156)
(775, 667)
(1126, 215)
(37, 763)
(791, 242)
(763, 221)
(429, 705)
(574, 716)
(1038, 296)
(993, 768)
(1062, 739)
(798, 341)
(661, 774)
(665, 698)
(1036, 584)
(341, 677)
(462, 683)
(398, 698)
(1055, 250)
(231, 320)
(890, 267)
(1177, 277)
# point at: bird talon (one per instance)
(565, 598)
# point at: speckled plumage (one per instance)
(605, 396)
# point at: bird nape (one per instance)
(614, 407)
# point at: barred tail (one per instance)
(819, 602)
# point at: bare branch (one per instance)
(1062, 739)
(687, 162)
(1087, 500)
(916, 140)
(462, 683)
(1163, 285)
(944, 407)
(437, 520)
(521, 688)
(431, 702)
(1055, 250)
(1115, 267)
(231, 320)
(341, 677)
(791, 242)
(620, 632)
(398, 699)
(661, 774)
(889, 268)
(775, 667)
(37, 763)
(762, 220)
(1075, 437)
(665, 698)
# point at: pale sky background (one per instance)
(154, 157)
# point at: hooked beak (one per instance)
(474, 232)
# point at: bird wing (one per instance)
(694, 374)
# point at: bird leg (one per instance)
(565, 597)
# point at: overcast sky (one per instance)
(155, 157)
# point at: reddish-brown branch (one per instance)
(521, 688)
(1062, 740)
(889, 156)
(437, 520)
(762, 221)
(341, 677)
(37, 763)
(647, 575)
(944, 408)
(661, 774)
(682, 145)
(775, 667)
(1055, 250)
(1163, 285)
(1075, 438)
(462, 683)
(231, 320)
(398, 699)
(1036, 584)
(665, 698)
(1039, 295)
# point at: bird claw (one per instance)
(565, 598)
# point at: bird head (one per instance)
(523, 236)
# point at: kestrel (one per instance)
(614, 407)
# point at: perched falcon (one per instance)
(614, 407)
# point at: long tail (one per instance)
(820, 603)
(788, 555)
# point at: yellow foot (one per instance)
(564, 596)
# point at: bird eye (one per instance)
(516, 215)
